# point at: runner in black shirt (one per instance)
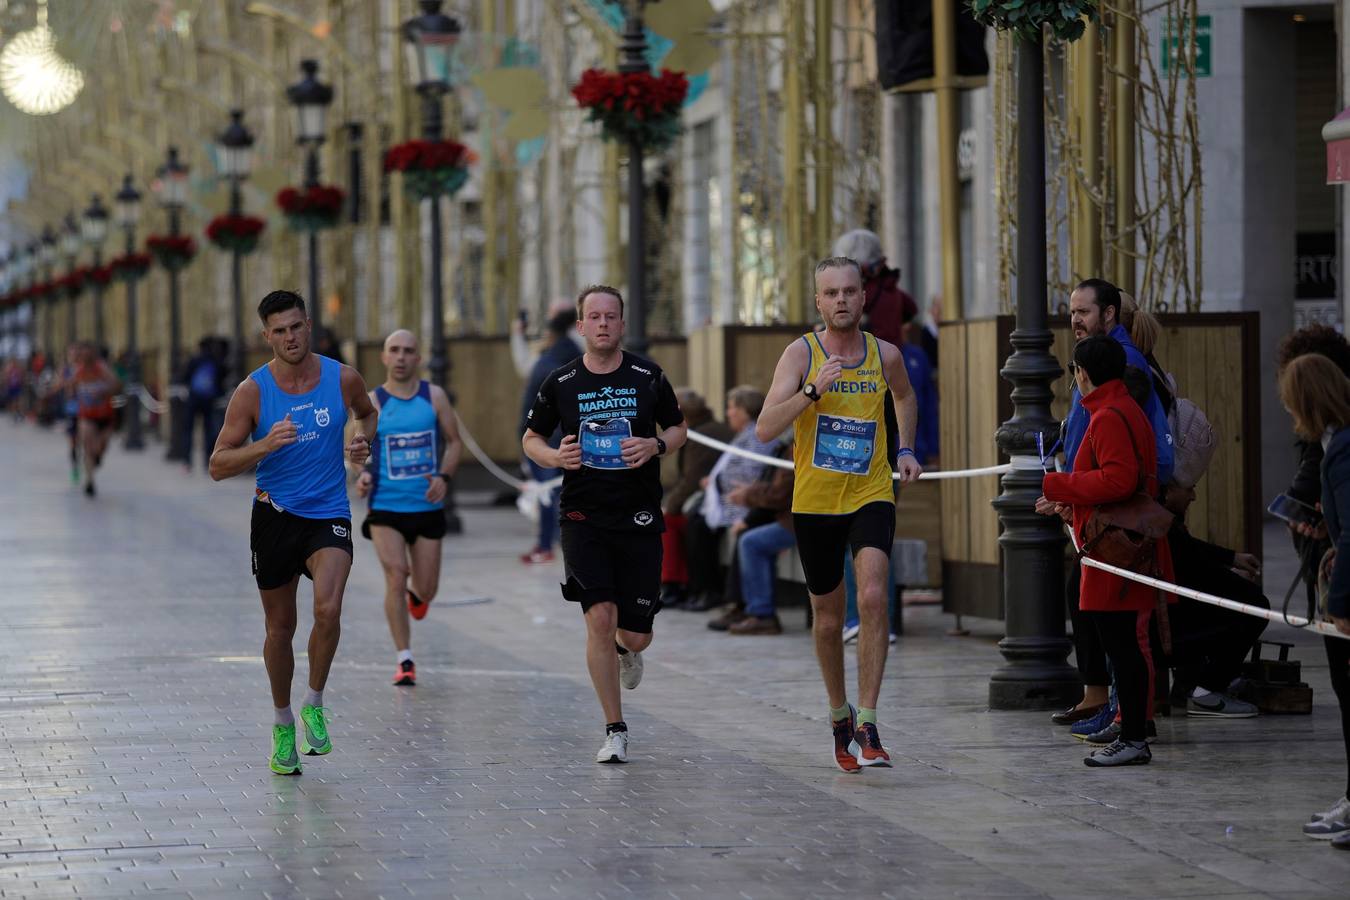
(618, 414)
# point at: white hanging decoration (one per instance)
(33, 75)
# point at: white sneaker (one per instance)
(850, 633)
(614, 749)
(1339, 810)
(630, 669)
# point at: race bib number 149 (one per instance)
(601, 443)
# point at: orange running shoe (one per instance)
(867, 748)
(417, 607)
(843, 741)
(407, 674)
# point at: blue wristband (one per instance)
(904, 451)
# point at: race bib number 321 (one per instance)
(844, 445)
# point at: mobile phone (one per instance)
(1296, 511)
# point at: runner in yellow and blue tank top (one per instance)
(830, 387)
(416, 452)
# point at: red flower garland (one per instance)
(130, 266)
(235, 233)
(173, 252)
(101, 275)
(313, 208)
(634, 105)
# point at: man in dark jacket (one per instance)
(694, 461)
(560, 351)
(886, 308)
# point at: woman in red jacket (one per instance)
(1117, 456)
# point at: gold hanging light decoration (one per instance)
(33, 75)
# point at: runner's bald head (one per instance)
(402, 337)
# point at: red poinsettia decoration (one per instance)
(172, 251)
(101, 275)
(235, 233)
(312, 208)
(130, 266)
(430, 168)
(72, 283)
(634, 105)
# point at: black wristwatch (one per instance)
(660, 447)
(809, 389)
(442, 476)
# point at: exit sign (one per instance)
(1185, 35)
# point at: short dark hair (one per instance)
(1317, 338)
(1104, 294)
(561, 323)
(839, 262)
(1103, 358)
(279, 301)
(597, 289)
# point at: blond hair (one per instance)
(1144, 330)
(1317, 395)
(748, 398)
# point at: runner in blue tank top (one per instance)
(415, 453)
(295, 409)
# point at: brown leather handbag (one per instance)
(1125, 534)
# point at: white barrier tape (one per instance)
(1325, 628)
(787, 464)
(149, 402)
(531, 489)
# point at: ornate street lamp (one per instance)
(128, 212)
(430, 41)
(633, 58)
(71, 242)
(94, 226)
(236, 161)
(47, 254)
(1036, 674)
(311, 99)
(171, 189)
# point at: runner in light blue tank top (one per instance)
(307, 478)
(294, 409)
(416, 450)
(407, 449)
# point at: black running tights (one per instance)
(1124, 635)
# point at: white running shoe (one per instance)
(614, 749)
(850, 633)
(630, 669)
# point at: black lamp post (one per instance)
(431, 39)
(171, 189)
(71, 242)
(1037, 674)
(311, 98)
(236, 160)
(128, 212)
(47, 257)
(633, 58)
(94, 226)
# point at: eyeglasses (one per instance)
(1073, 369)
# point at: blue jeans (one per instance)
(548, 512)
(851, 593)
(759, 548)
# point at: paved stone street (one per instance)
(136, 718)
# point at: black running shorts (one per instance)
(823, 540)
(619, 567)
(412, 525)
(281, 543)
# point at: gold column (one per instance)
(1124, 125)
(492, 221)
(371, 157)
(823, 155)
(404, 215)
(793, 124)
(949, 185)
(510, 177)
(1085, 122)
(614, 239)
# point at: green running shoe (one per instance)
(284, 759)
(314, 732)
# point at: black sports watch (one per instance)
(660, 447)
(809, 389)
(442, 476)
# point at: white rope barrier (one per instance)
(1324, 628)
(787, 464)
